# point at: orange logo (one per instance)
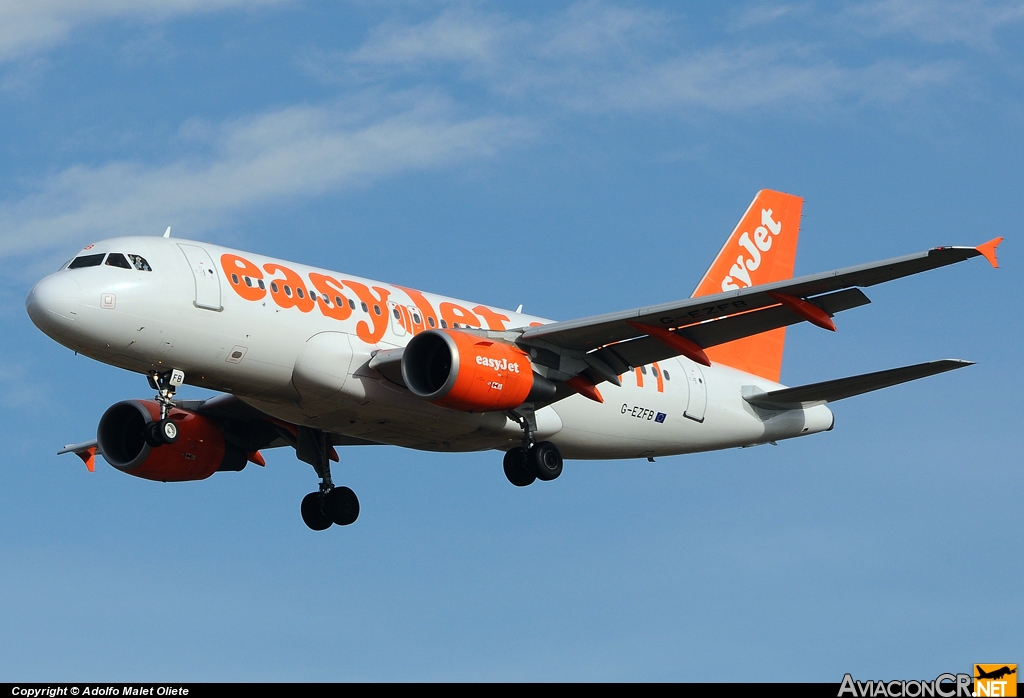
(761, 250)
(333, 297)
(995, 680)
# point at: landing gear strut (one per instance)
(534, 460)
(164, 431)
(330, 504)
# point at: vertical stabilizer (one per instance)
(761, 249)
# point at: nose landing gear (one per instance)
(164, 431)
(533, 460)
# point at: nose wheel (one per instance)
(164, 430)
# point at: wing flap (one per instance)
(805, 396)
(646, 350)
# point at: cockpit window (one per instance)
(116, 259)
(140, 262)
(86, 260)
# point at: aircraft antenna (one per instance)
(167, 233)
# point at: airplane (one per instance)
(314, 359)
(995, 674)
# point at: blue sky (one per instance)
(577, 158)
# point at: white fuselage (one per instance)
(308, 363)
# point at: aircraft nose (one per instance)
(54, 302)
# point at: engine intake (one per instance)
(472, 374)
(199, 451)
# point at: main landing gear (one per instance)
(164, 431)
(533, 460)
(330, 504)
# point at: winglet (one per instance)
(988, 250)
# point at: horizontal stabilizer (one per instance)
(806, 396)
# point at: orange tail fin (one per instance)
(761, 249)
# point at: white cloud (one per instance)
(971, 22)
(452, 36)
(599, 58)
(590, 58)
(296, 152)
(741, 80)
(27, 26)
(757, 15)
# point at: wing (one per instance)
(605, 346)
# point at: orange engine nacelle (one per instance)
(199, 451)
(473, 374)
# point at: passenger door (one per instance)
(206, 278)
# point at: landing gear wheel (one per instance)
(152, 435)
(516, 469)
(341, 505)
(313, 513)
(168, 431)
(546, 460)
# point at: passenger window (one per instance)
(654, 371)
(430, 321)
(300, 292)
(234, 279)
(352, 304)
(116, 259)
(365, 309)
(643, 370)
(376, 309)
(262, 286)
(88, 260)
(665, 373)
(337, 301)
(444, 324)
(288, 290)
(139, 262)
(398, 315)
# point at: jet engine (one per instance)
(199, 451)
(465, 372)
